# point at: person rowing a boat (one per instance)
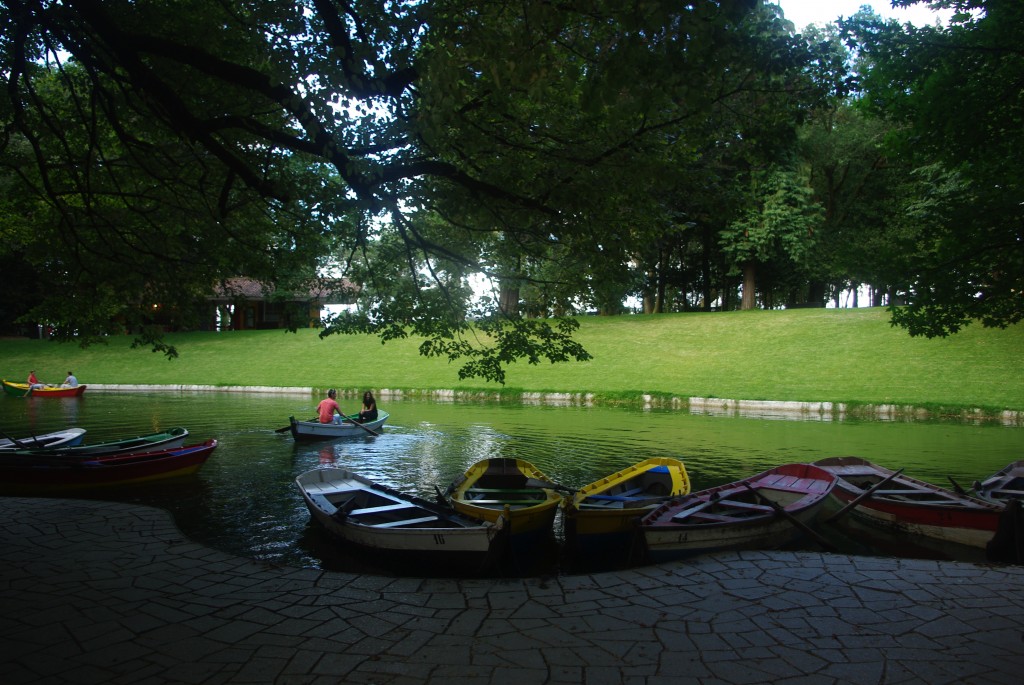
(328, 407)
(369, 410)
(33, 382)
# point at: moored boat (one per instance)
(1003, 485)
(350, 428)
(69, 437)
(172, 437)
(23, 390)
(373, 516)
(512, 489)
(883, 498)
(601, 518)
(47, 474)
(765, 511)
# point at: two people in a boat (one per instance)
(34, 383)
(329, 411)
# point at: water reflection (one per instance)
(244, 500)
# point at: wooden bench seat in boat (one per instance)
(713, 518)
(504, 491)
(744, 505)
(380, 509)
(781, 482)
(405, 522)
(633, 495)
(505, 501)
(331, 488)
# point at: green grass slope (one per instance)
(809, 355)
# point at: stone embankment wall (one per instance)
(715, 406)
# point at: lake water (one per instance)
(244, 500)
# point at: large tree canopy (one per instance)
(228, 136)
(576, 152)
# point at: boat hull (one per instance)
(49, 475)
(766, 511)
(71, 437)
(316, 431)
(171, 438)
(374, 517)
(912, 506)
(601, 519)
(1004, 485)
(22, 389)
(501, 488)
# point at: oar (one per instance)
(956, 486)
(289, 427)
(16, 443)
(442, 500)
(779, 509)
(356, 423)
(863, 496)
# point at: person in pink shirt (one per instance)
(328, 407)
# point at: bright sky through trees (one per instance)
(804, 12)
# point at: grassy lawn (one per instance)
(811, 355)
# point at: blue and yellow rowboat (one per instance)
(601, 519)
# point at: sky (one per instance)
(804, 12)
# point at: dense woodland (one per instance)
(574, 155)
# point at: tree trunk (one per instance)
(817, 293)
(749, 300)
(508, 300)
(705, 268)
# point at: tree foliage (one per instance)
(956, 92)
(576, 153)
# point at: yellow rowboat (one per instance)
(601, 519)
(512, 489)
(23, 390)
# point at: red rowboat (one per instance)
(53, 474)
(765, 511)
(905, 504)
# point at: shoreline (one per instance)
(709, 406)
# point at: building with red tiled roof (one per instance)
(246, 304)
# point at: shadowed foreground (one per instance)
(96, 592)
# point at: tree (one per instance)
(236, 110)
(778, 226)
(955, 91)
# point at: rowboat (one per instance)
(1003, 485)
(49, 474)
(69, 437)
(601, 518)
(512, 489)
(376, 517)
(890, 500)
(172, 437)
(765, 511)
(22, 389)
(314, 430)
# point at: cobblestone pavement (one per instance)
(95, 592)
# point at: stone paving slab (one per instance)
(95, 592)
